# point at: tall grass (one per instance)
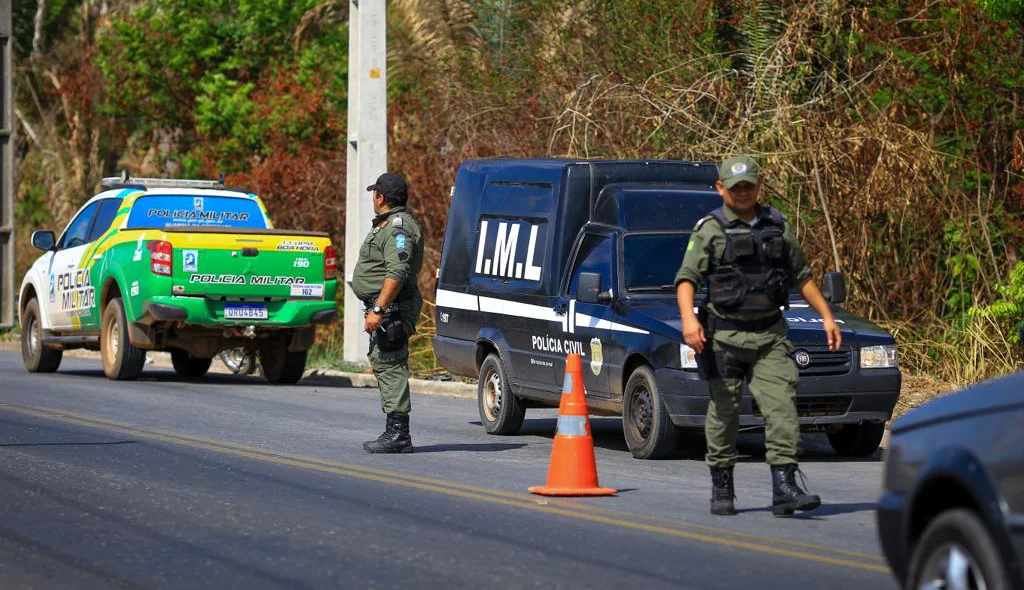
(959, 353)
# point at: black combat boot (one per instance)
(394, 439)
(787, 496)
(722, 491)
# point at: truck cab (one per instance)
(543, 258)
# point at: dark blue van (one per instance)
(543, 258)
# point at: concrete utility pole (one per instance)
(7, 277)
(367, 147)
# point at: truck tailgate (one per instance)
(247, 264)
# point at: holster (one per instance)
(390, 335)
(706, 358)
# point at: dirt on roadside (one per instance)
(919, 389)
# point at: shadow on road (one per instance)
(607, 434)
(826, 509)
(469, 447)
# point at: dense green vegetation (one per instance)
(892, 131)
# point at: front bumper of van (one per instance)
(861, 396)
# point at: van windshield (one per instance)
(194, 210)
(651, 260)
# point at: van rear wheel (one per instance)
(646, 425)
(501, 412)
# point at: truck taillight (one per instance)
(330, 263)
(160, 256)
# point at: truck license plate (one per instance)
(245, 311)
(307, 290)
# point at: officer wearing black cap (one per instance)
(385, 281)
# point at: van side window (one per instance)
(595, 255)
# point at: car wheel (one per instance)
(188, 366)
(501, 412)
(646, 425)
(122, 360)
(857, 440)
(37, 358)
(283, 367)
(957, 551)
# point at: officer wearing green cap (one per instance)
(385, 280)
(749, 260)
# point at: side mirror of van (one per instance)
(588, 289)
(834, 287)
(43, 239)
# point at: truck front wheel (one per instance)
(646, 425)
(281, 366)
(121, 359)
(188, 366)
(37, 358)
(501, 412)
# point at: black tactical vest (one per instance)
(753, 274)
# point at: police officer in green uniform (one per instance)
(385, 281)
(749, 260)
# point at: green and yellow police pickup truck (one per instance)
(177, 265)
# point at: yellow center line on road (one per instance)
(586, 512)
(561, 503)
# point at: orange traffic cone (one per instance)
(573, 471)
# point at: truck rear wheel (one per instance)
(648, 430)
(121, 359)
(857, 440)
(188, 366)
(501, 412)
(37, 358)
(281, 366)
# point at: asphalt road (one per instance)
(232, 483)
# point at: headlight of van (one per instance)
(687, 357)
(878, 357)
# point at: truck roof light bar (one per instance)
(147, 183)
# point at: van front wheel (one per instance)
(648, 430)
(501, 412)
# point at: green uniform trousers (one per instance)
(763, 359)
(392, 372)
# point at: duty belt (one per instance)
(758, 325)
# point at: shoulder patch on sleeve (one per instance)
(401, 239)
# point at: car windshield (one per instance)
(651, 260)
(193, 210)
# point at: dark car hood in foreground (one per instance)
(989, 396)
(804, 322)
